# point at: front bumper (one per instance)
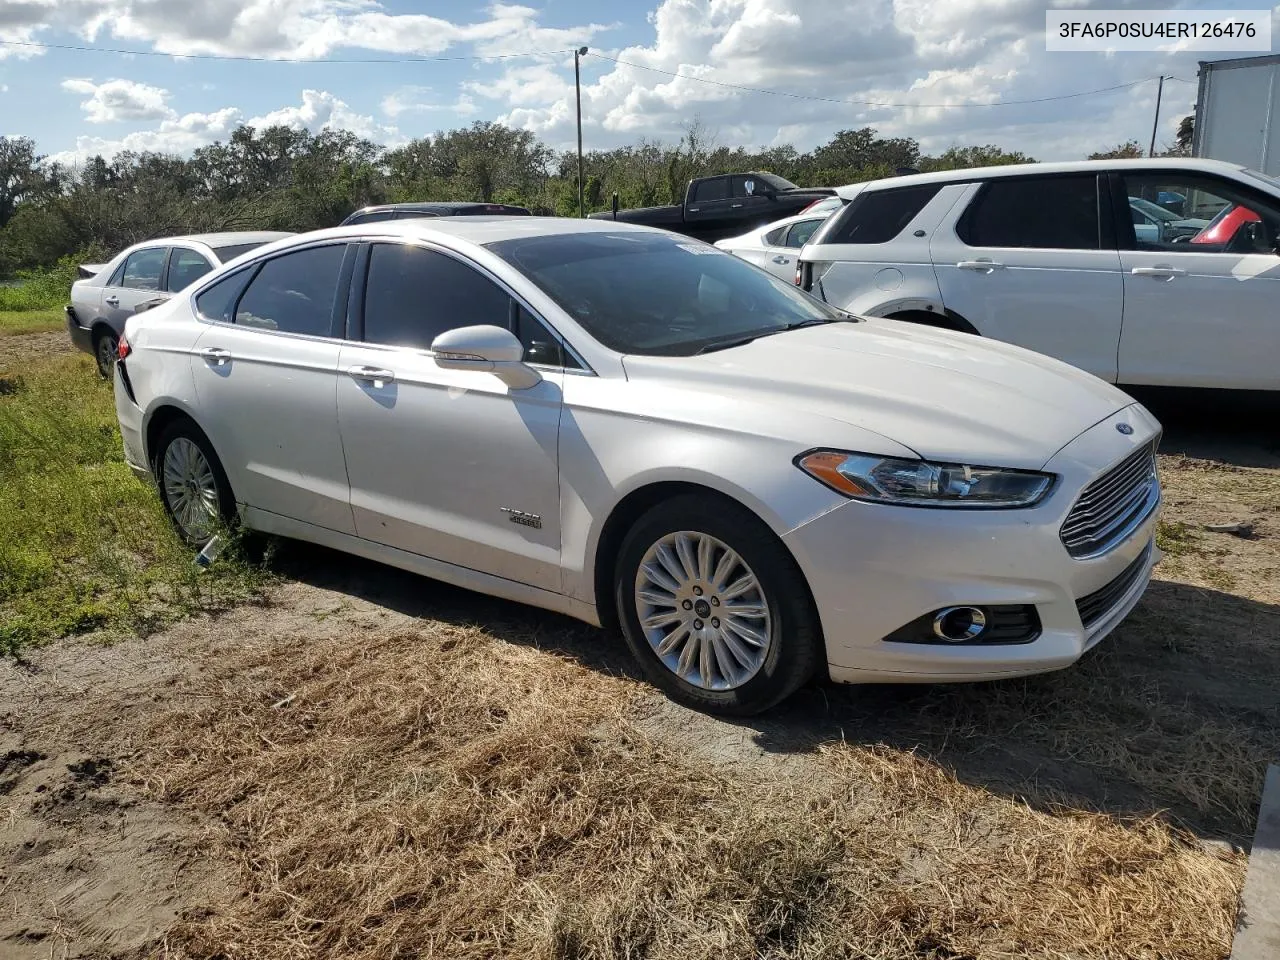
(873, 568)
(81, 337)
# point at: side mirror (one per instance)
(486, 349)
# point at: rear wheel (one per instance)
(105, 346)
(193, 486)
(714, 608)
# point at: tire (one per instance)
(201, 492)
(766, 674)
(105, 345)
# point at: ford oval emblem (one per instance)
(1124, 428)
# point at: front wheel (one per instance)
(714, 608)
(105, 346)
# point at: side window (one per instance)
(799, 233)
(1191, 213)
(774, 237)
(412, 295)
(717, 188)
(185, 268)
(142, 270)
(877, 216)
(1058, 213)
(218, 301)
(746, 187)
(294, 293)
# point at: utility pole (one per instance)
(577, 85)
(1155, 124)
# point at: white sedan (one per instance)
(776, 246)
(638, 430)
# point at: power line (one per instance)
(871, 103)
(229, 56)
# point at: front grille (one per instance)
(1113, 505)
(1094, 608)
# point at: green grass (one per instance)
(16, 322)
(86, 545)
(42, 289)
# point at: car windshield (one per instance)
(777, 182)
(1152, 209)
(660, 294)
(1270, 181)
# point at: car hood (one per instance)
(948, 396)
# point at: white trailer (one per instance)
(1238, 112)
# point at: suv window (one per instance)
(143, 268)
(412, 295)
(717, 188)
(1057, 213)
(294, 293)
(185, 268)
(1191, 213)
(877, 216)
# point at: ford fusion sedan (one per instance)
(646, 433)
(145, 274)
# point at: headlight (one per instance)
(920, 483)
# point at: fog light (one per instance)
(959, 624)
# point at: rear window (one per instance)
(714, 189)
(1054, 213)
(227, 254)
(877, 216)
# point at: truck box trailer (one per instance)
(1238, 112)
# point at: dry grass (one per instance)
(441, 793)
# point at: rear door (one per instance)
(1032, 260)
(139, 278)
(1200, 313)
(711, 200)
(781, 248)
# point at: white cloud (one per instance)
(120, 100)
(321, 110)
(424, 100)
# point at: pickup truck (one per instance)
(725, 205)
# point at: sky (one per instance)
(941, 71)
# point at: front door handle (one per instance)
(112, 301)
(375, 375)
(1160, 272)
(216, 355)
(985, 266)
(781, 259)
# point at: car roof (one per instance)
(230, 238)
(430, 205)
(482, 230)
(1070, 166)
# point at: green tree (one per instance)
(1129, 150)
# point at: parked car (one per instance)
(775, 246)
(143, 276)
(1046, 256)
(403, 211)
(725, 205)
(640, 430)
(1153, 223)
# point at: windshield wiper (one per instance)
(731, 342)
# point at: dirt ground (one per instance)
(178, 795)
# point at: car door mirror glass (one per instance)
(485, 348)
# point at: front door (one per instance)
(449, 464)
(1203, 311)
(1031, 260)
(135, 281)
(265, 372)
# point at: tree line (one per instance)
(280, 178)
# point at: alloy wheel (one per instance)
(190, 489)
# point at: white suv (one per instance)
(1046, 256)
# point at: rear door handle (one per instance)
(375, 375)
(216, 355)
(112, 301)
(984, 265)
(781, 259)
(1161, 272)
